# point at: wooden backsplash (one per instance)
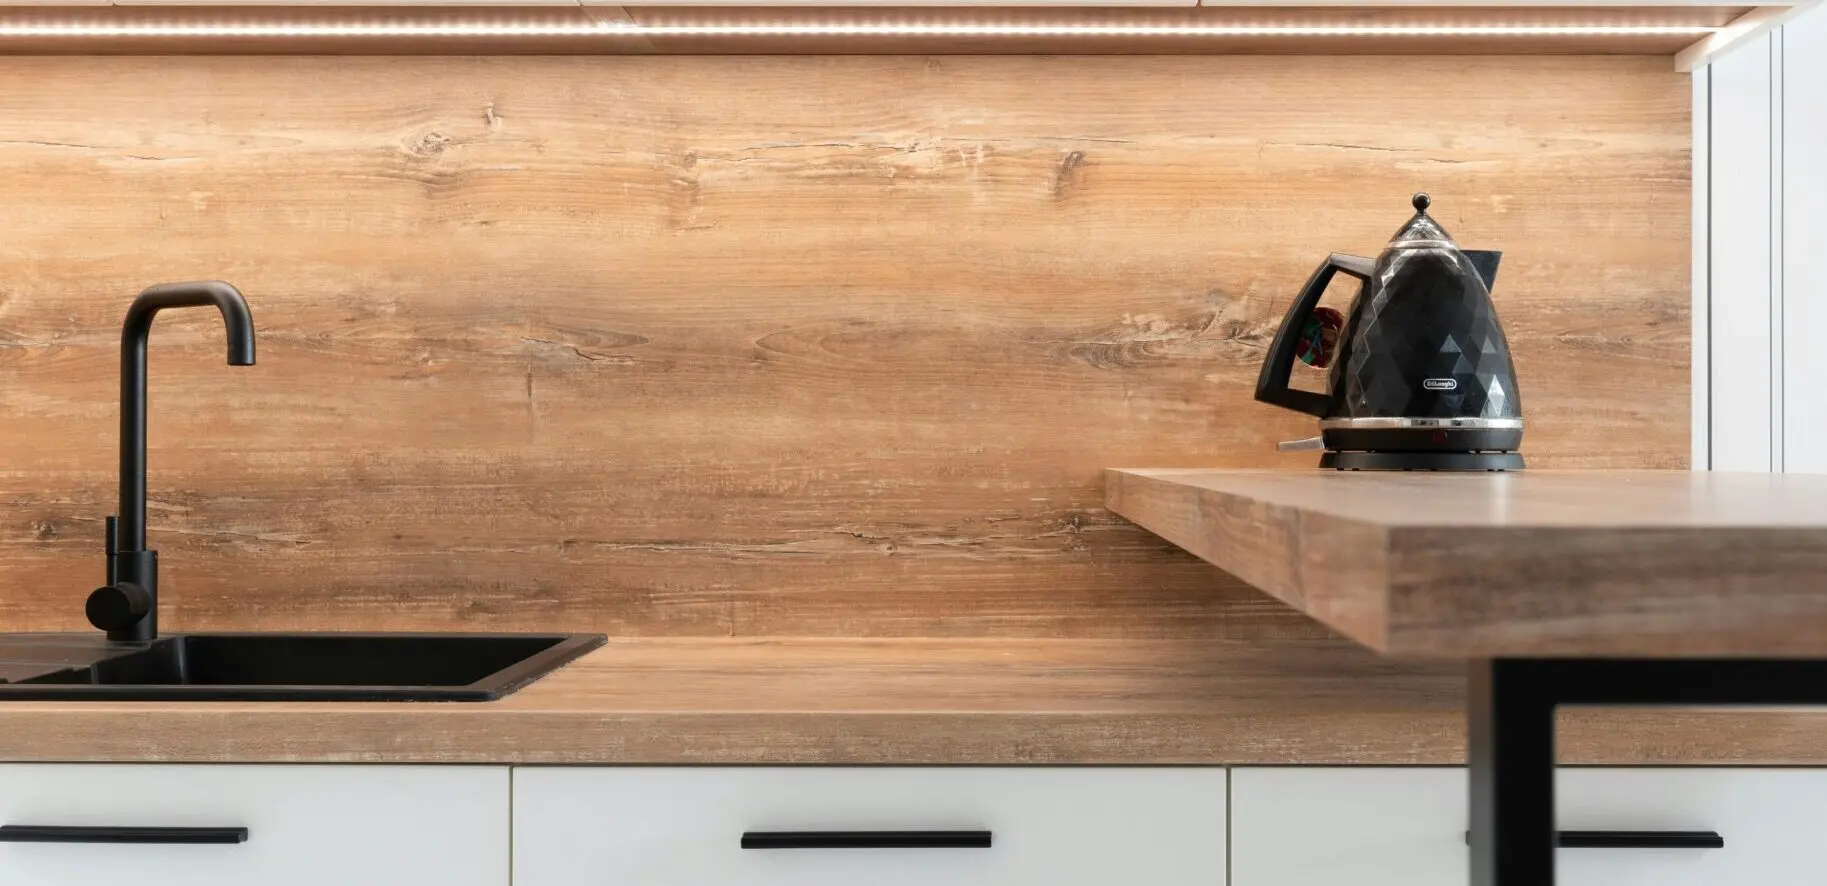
(744, 346)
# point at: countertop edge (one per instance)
(1665, 738)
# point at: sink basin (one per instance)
(282, 667)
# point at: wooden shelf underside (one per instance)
(1665, 30)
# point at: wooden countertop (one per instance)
(1533, 563)
(908, 702)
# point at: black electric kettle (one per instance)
(1420, 375)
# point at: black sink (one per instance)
(282, 667)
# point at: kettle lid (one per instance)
(1422, 232)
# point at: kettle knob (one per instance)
(1422, 201)
(116, 606)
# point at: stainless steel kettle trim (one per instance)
(1481, 424)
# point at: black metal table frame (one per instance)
(1511, 704)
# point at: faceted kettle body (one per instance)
(1425, 341)
(1421, 363)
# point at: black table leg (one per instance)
(1510, 731)
(1511, 754)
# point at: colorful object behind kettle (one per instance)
(1319, 337)
(1422, 377)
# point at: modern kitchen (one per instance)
(818, 442)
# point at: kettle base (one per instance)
(1422, 461)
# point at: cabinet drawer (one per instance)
(1048, 827)
(1406, 827)
(307, 825)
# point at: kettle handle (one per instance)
(1272, 382)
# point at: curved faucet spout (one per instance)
(129, 561)
(225, 298)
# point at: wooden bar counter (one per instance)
(1561, 591)
(1660, 564)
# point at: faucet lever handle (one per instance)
(118, 606)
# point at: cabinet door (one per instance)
(307, 825)
(1046, 827)
(1406, 827)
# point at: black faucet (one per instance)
(127, 607)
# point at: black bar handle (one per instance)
(1278, 365)
(866, 840)
(27, 833)
(1635, 839)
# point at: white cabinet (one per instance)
(307, 825)
(686, 826)
(1048, 827)
(1761, 252)
(1406, 827)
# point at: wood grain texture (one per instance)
(909, 701)
(1533, 563)
(766, 346)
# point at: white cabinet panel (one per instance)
(1700, 370)
(1804, 240)
(1050, 827)
(1743, 350)
(307, 825)
(1406, 827)
(1367, 827)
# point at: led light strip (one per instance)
(813, 29)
